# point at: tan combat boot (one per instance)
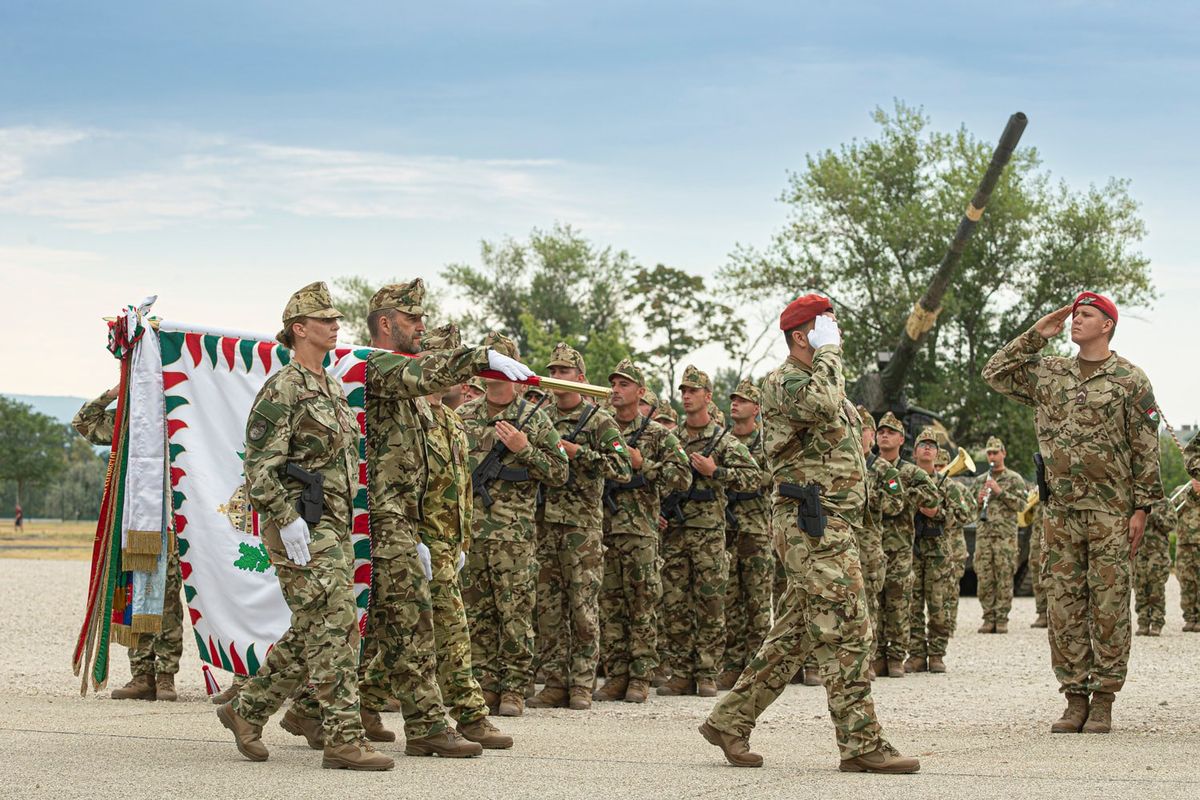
(1143, 629)
(1073, 718)
(392, 706)
(485, 734)
(638, 691)
(224, 697)
(706, 687)
(736, 748)
(164, 688)
(1001, 627)
(373, 726)
(885, 760)
(1099, 716)
(247, 737)
(581, 698)
(613, 689)
(677, 687)
(1191, 627)
(895, 668)
(357, 756)
(309, 728)
(447, 744)
(1155, 630)
(661, 675)
(512, 704)
(937, 664)
(492, 700)
(916, 664)
(811, 676)
(727, 679)
(531, 689)
(1041, 621)
(549, 697)
(141, 687)
(879, 666)
(987, 627)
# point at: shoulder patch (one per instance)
(891, 481)
(1149, 408)
(273, 412)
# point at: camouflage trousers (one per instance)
(1187, 570)
(1151, 568)
(1036, 558)
(778, 588)
(570, 570)
(461, 693)
(747, 597)
(929, 629)
(824, 612)
(159, 654)
(498, 588)
(891, 640)
(995, 567)
(693, 577)
(320, 646)
(1088, 569)
(627, 603)
(954, 575)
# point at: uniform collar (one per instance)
(1106, 366)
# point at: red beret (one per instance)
(802, 309)
(1098, 302)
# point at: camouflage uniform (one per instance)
(693, 551)
(154, 654)
(569, 540)
(813, 436)
(956, 541)
(303, 418)
(1099, 438)
(1187, 557)
(1152, 567)
(996, 546)
(499, 578)
(870, 534)
(631, 588)
(1037, 559)
(751, 569)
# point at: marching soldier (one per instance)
(1187, 557)
(1097, 426)
(813, 443)
(1152, 567)
(569, 541)
(1000, 495)
(631, 587)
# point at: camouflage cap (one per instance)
(695, 379)
(943, 458)
(447, 337)
(664, 411)
(311, 301)
(747, 391)
(927, 434)
(889, 420)
(535, 391)
(994, 443)
(406, 297)
(650, 398)
(868, 421)
(566, 356)
(716, 413)
(494, 340)
(627, 369)
(477, 383)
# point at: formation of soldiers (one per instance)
(520, 537)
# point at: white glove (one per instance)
(295, 538)
(462, 561)
(513, 370)
(426, 561)
(825, 331)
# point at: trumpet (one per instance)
(962, 463)
(987, 495)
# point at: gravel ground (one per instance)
(981, 730)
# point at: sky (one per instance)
(221, 155)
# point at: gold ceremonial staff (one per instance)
(589, 389)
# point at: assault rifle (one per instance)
(490, 468)
(636, 482)
(672, 505)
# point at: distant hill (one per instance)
(61, 408)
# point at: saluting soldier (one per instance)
(1002, 493)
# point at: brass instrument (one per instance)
(962, 463)
(1031, 501)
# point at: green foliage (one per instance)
(32, 444)
(1170, 463)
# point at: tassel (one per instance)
(210, 683)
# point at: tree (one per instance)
(77, 494)
(352, 296)
(32, 446)
(869, 223)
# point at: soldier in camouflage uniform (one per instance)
(956, 540)
(1187, 557)
(813, 442)
(471, 390)
(1152, 567)
(1097, 425)
(1037, 562)
(751, 569)
(693, 547)
(499, 581)
(569, 541)
(630, 590)
(905, 491)
(646, 405)
(301, 417)
(996, 548)
(870, 534)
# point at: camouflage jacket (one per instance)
(448, 502)
(1002, 508)
(736, 471)
(1099, 436)
(955, 510)
(751, 512)
(94, 422)
(813, 434)
(302, 418)
(1163, 519)
(883, 496)
(665, 468)
(1187, 521)
(913, 485)
(1191, 458)
(601, 455)
(510, 518)
(398, 422)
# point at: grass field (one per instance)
(48, 539)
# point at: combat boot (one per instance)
(1073, 718)
(485, 734)
(885, 760)
(706, 687)
(164, 687)
(224, 697)
(1099, 716)
(1143, 629)
(549, 697)
(676, 687)
(492, 700)
(660, 677)
(247, 737)
(727, 679)
(895, 668)
(1041, 621)
(798, 677)
(916, 664)
(812, 676)
(512, 704)
(879, 666)
(1155, 630)
(140, 687)
(937, 664)
(1001, 627)
(987, 627)
(531, 689)
(1191, 627)
(581, 698)
(736, 748)
(357, 756)
(447, 744)
(309, 728)
(637, 692)
(614, 689)
(392, 706)
(373, 726)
